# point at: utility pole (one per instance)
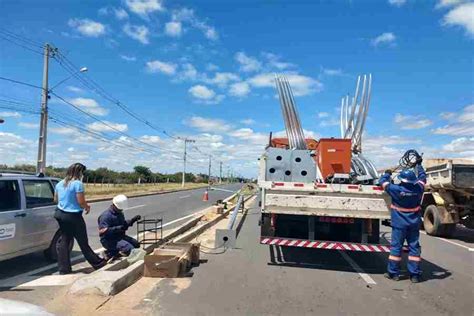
(41, 163)
(186, 141)
(220, 172)
(209, 173)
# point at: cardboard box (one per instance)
(191, 248)
(161, 266)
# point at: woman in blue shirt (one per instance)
(69, 194)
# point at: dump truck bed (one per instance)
(450, 174)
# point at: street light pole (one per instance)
(220, 172)
(186, 141)
(209, 173)
(41, 163)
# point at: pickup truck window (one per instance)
(9, 195)
(38, 193)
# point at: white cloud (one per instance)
(447, 115)
(212, 67)
(151, 139)
(333, 72)
(300, 85)
(110, 127)
(203, 93)
(463, 124)
(208, 124)
(62, 130)
(323, 114)
(188, 72)
(249, 135)
(137, 32)
(89, 105)
(463, 16)
(411, 121)
(222, 79)
(144, 7)
(87, 27)
(119, 13)
(12, 141)
(248, 121)
(239, 89)
(74, 89)
(128, 58)
(10, 114)
(173, 29)
(275, 62)
(247, 64)
(157, 66)
(448, 3)
(397, 3)
(384, 38)
(28, 125)
(463, 146)
(188, 16)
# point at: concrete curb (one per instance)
(113, 279)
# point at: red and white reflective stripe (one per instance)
(402, 209)
(323, 244)
(394, 258)
(414, 258)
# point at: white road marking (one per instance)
(357, 268)
(137, 206)
(184, 196)
(450, 242)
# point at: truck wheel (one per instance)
(51, 253)
(432, 221)
(448, 230)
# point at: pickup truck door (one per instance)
(11, 218)
(39, 225)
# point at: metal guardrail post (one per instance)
(235, 211)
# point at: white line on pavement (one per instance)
(137, 206)
(358, 269)
(184, 196)
(450, 242)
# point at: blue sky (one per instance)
(204, 70)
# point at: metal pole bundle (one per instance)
(353, 116)
(294, 131)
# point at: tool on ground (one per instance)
(149, 231)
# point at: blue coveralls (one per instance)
(112, 227)
(406, 220)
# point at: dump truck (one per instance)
(298, 210)
(449, 196)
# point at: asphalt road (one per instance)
(259, 280)
(169, 207)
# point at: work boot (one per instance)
(392, 277)
(415, 278)
(101, 264)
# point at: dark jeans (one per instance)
(72, 225)
(124, 244)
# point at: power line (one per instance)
(21, 82)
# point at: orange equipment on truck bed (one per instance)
(333, 155)
(311, 144)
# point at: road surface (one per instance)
(257, 280)
(169, 206)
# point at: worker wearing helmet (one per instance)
(112, 228)
(405, 219)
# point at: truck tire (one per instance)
(432, 221)
(51, 253)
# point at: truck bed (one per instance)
(335, 200)
(450, 174)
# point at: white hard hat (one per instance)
(120, 201)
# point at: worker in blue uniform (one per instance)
(405, 219)
(112, 228)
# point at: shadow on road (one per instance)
(369, 262)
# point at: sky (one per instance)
(204, 70)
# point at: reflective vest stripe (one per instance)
(394, 258)
(402, 209)
(414, 258)
(384, 185)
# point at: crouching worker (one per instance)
(112, 228)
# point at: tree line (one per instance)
(140, 174)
